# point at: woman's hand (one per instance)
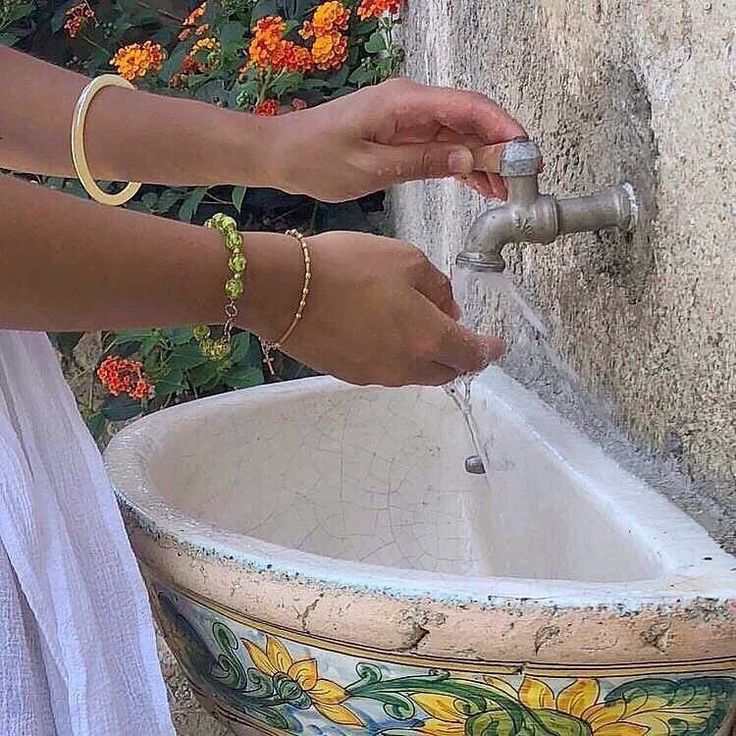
(395, 132)
(378, 311)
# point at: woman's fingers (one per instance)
(441, 340)
(433, 284)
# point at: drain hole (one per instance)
(474, 465)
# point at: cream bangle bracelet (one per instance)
(79, 157)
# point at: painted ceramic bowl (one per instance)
(321, 562)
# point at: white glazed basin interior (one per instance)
(367, 486)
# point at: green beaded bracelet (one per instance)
(219, 348)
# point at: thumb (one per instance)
(431, 161)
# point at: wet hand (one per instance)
(379, 312)
(394, 132)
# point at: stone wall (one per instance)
(639, 331)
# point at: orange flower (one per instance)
(270, 25)
(307, 30)
(202, 59)
(267, 41)
(330, 51)
(191, 21)
(376, 8)
(122, 376)
(329, 17)
(208, 44)
(293, 58)
(267, 108)
(77, 17)
(269, 50)
(136, 60)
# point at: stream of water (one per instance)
(468, 287)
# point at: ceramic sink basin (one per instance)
(321, 563)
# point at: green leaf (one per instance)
(696, 706)
(212, 91)
(495, 722)
(237, 197)
(168, 198)
(8, 39)
(170, 383)
(129, 336)
(178, 335)
(150, 199)
(554, 721)
(137, 206)
(59, 17)
(286, 83)
(314, 84)
(339, 78)
(241, 345)
(186, 356)
(206, 376)
(54, 182)
(191, 204)
(376, 43)
(263, 8)
(243, 376)
(362, 75)
(173, 63)
(232, 31)
(120, 408)
(366, 27)
(96, 425)
(150, 343)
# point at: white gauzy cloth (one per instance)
(77, 647)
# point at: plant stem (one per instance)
(93, 43)
(161, 12)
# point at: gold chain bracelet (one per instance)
(270, 347)
(219, 348)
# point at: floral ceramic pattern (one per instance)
(279, 686)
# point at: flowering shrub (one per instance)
(269, 57)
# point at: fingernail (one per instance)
(460, 162)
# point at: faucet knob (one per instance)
(509, 159)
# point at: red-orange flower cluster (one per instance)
(123, 376)
(376, 8)
(269, 49)
(77, 17)
(191, 21)
(267, 108)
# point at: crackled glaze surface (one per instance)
(321, 563)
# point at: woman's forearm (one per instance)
(129, 135)
(70, 264)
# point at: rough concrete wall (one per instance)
(613, 90)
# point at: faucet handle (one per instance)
(512, 158)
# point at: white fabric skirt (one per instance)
(77, 646)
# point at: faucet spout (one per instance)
(490, 232)
(531, 217)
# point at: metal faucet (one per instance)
(531, 217)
